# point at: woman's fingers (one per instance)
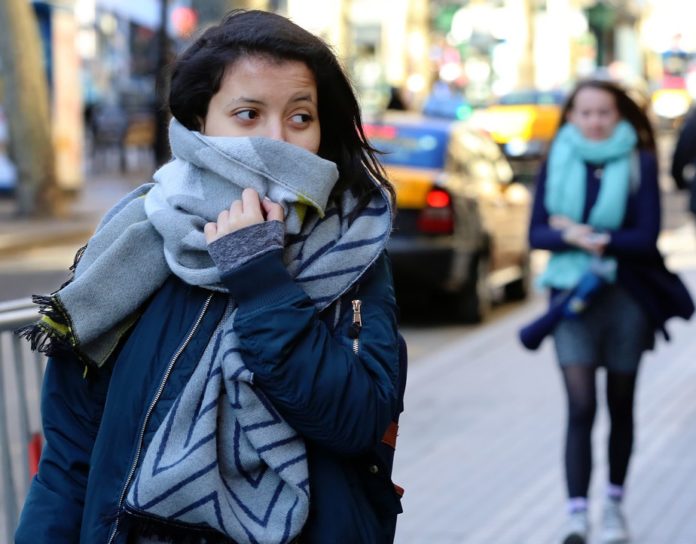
(223, 217)
(274, 211)
(249, 210)
(251, 207)
(236, 208)
(576, 234)
(210, 230)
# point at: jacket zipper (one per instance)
(356, 326)
(154, 402)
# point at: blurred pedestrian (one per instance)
(597, 206)
(396, 100)
(225, 364)
(684, 159)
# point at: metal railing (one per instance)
(21, 373)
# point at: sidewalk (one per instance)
(99, 193)
(480, 444)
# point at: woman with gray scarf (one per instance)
(225, 364)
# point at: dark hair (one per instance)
(198, 73)
(628, 109)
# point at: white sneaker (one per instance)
(614, 528)
(576, 528)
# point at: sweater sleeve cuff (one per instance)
(239, 247)
(262, 281)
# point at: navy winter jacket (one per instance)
(98, 425)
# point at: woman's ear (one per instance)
(201, 124)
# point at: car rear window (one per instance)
(404, 145)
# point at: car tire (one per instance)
(473, 302)
(519, 288)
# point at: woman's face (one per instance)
(594, 112)
(262, 97)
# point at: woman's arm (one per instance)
(331, 395)
(327, 392)
(71, 408)
(640, 238)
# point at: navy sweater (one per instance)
(641, 270)
(638, 234)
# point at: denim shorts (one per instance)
(612, 332)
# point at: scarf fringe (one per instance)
(78, 257)
(42, 337)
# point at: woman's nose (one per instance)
(276, 131)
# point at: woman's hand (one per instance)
(248, 211)
(580, 235)
(584, 237)
(594, 242)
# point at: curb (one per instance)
(39, 235)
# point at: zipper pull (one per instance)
(354, 331)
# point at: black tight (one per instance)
(582, 405)
(620, 394)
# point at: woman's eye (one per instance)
(247, 115)
(301, 118)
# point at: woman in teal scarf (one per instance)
(597, 207)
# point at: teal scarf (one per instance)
(566, 190)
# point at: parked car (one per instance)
(523, 123)
(462, 219)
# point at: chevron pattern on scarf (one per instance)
(250, 483)
(330, 254)
(223, 457)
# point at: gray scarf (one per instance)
(223, 457)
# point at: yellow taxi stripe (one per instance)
(412, 185)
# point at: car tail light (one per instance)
(437, 198)
(438, 215)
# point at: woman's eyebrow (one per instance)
(302, 98)
(245, 99)
(248, 100)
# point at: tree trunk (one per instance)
(27, 107)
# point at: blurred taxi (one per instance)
(523, 123)
(462, 220)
